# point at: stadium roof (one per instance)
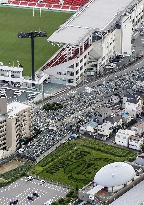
(134, 196)
(70, 35)
(94, 16)
(114, 174)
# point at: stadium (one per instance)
(97, 32)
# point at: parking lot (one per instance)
(25, 94)
(22, 189)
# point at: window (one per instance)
(81, 60)
(77, 64)
(72, 74)
(70, 80)
(77, 78)
(59, 73)
(77, 72)
(71, 66)
(81, 67)
(85, 56)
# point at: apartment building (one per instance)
(15, 124)
(132, 105)
(3, 128)
(122, 137)
(19, 123)
(3, 122)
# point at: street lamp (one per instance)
(32, 35)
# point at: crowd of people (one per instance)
(79, 107)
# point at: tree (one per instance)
(142, 147)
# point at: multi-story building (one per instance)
(15, 124)
(122, 137)
(133, 105)
(3, 123)
(19, 123)
(135, 142)
(100, 31)
(138, 128)
(11, 74)
(3, 128)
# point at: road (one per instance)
(138, 64)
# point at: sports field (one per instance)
(14, 20)
(76, 162)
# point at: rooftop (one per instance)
(132, 98)
(97, 15)
(114, 174)
(2, 118)
(132, 197)
(16, 107)
(126, 132)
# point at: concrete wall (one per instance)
(3, 105)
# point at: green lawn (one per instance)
(14, 20)
(76, 163)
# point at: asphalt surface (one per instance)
(138, 64)
(22, 188)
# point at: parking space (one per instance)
(23, 94)
(37, 191)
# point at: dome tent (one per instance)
(114, 174)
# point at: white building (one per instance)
(122, 137)
(19, 123)
(3, 126)
(105, 129)
(11, 74)
(138, 128)
(91, 37)
(114, 176)
(135, 142)
(133, 105)
(15, 124)
(3, 123)
(140, 160)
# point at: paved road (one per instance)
(138, 64)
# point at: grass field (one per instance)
(76, 163)
(14, 20)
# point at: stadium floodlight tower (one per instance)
(32, 35)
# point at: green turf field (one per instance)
(14, 20)
(76, 162)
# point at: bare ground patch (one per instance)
(10, 166)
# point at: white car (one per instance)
(42, 182)
(48, 202)
(17, 92)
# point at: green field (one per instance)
(14, 20)
(76, 163)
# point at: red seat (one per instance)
(65, 7)
(16, 2)
(40, 5)
(31, 4)
(56, 6)
(48, 5)
(74, 7)
(23, 3)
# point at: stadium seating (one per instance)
(51, 4)
(62, 56)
